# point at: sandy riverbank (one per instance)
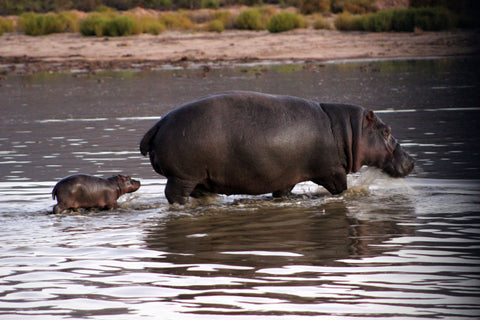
(71, 51)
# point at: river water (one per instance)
(385, 249)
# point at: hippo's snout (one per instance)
(134, 186)
(401, 165)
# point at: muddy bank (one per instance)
(73, 52)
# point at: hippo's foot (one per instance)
(282, 193)
(177, 190)
(201, 192)
(57, 209)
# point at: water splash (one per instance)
(370, 179)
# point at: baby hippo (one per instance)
(85, 191)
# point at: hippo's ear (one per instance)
(370, 118)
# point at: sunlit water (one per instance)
(396, 249)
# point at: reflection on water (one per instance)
(385, 249)
(381, 251)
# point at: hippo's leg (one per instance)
(57, 209)
(283, 192)
(178, 190)
(201, 192)
(60, 208)
(335, 184)
(111, 206)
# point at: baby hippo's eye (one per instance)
(386, 132)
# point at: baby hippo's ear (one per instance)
(370, 118)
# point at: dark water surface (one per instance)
(385, 249)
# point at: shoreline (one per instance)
(74, 53)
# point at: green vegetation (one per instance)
(225, 17)
(428, 19)
(106, 20)
(176, 21)
(34, 24)
(320, 23)
(17, 7)
(150, 25)
(121, 26)
(249, 19)
(215, 26)
(285, 21)
(93, 25)
(115, 25)
(6, 25)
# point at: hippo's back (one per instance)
(227, 139)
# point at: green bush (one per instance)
(40, 24)
(320, 23)
(147, 24)
(119, 26)
(428, 19)
(154, 28)
(177, 21)
(378, 22)
(249, 19)
(215, 26)
(6, 25)
(69, 20)
(433, 19)
(347, 22)
(285, 21)
(110, 25)
(225, 16)
(93, 25)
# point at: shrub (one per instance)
(249, 19)
(154, 28)
(215, 26)
(346, 22)
(378, 22)
(69, 21)
(6, 25)
(40, 24)
(109, 24)
(150, 25)
(428, 19)
(320, 23)
(313, 6)
(93, 25)
(403, 20)
(285, 21)
(432, 19)
(177, 21)
(119, 26)
(225, 16)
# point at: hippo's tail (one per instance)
(145, 144)
(54, 192)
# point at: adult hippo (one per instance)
(253, 143)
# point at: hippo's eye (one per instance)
(386, 132)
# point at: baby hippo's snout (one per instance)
(130, 185)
